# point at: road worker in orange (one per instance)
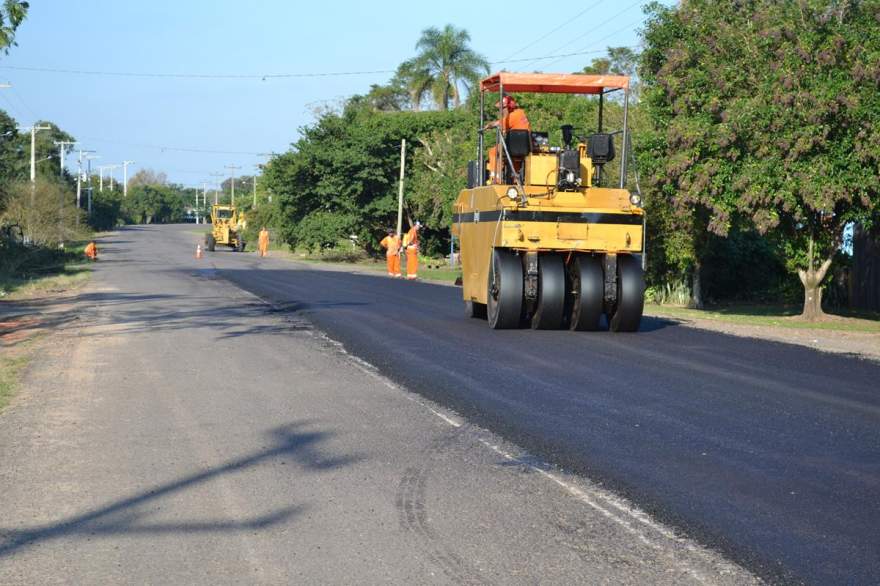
(263, 242)
(91, 251)
(512, 118)
(411, 244)
(391, 244)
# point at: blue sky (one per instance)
(130, 117)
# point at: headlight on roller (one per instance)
(512, 193)
(635, 199)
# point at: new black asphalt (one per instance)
(766, 451)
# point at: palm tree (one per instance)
(416, 79)
(450, 62)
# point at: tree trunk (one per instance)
(811, 279)
(697, 287)
(812, 303)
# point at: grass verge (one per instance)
(781, 316)
(13, 361)
(50, 272)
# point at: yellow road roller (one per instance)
(545, 242)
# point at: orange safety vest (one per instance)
(516, 120)
(392, 244)
(411, 238)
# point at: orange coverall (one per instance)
(515, 119)
(391, 244)
(411, 243)
(263, 242)
(91, 251)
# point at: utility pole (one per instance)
(257, 167)
(400, 189)
(205, 200)
(62, 149)
(232, 169)
(219, 186)
(125, 165)
(34, 130)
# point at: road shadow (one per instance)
(130, 515)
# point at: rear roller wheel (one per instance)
(505, 294)
(550, 309)
(475, 309)
(587, 291)
(630, 296)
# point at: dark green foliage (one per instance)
(12, 14)
(154, 204)
(340, 178)
(106, 210)
(767, 115)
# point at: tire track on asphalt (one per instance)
(411, 504)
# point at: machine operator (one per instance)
(512, 118)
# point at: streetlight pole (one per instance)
(79, 181)
(89, 160)
(125, 165)
(110, 174)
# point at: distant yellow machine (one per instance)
(544, 242)
(227, 228)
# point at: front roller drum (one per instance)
(505, 290)
(630, 296)
(550, 308)
(587, 288)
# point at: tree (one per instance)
(451, 64)
(770, 113)
(340, 178)
(415, 77)
(12, 14)
(619, 61)
(147, 177)
(154, 204)
(44, 210)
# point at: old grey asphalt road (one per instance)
(182, 431)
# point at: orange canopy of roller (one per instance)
(553, 83)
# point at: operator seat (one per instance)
(519, 145)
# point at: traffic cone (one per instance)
(199, 251)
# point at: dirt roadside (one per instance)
(26, 325)
(865, 345)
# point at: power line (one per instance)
(262, 76)
(563, 25)
(171, 148)
(611, 34)
(259, 75)
(590, 32)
